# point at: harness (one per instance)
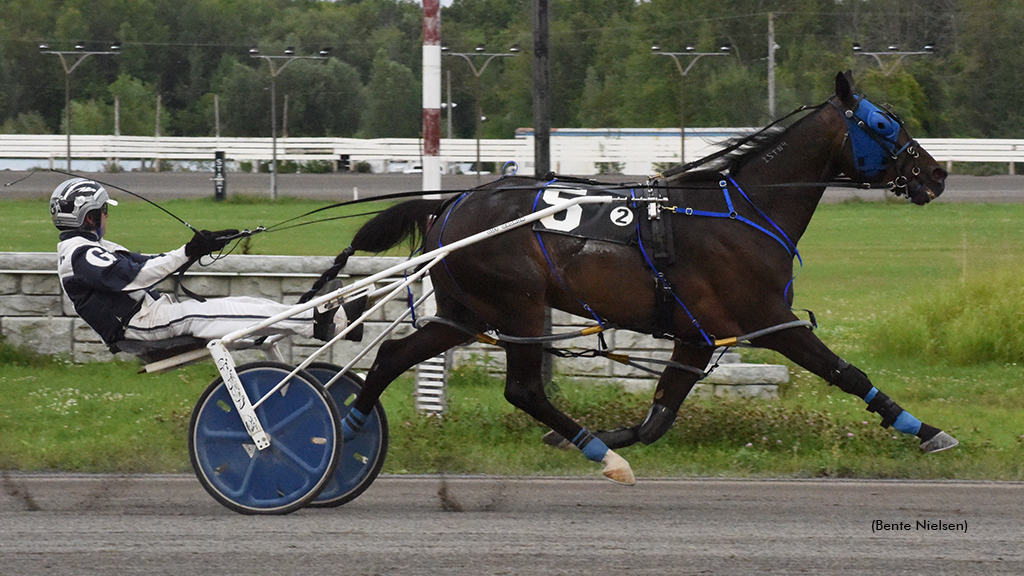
(667, 297)
(873, 134)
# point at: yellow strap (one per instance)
(620, 358)
(485, 339)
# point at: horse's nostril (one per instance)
(939, 175)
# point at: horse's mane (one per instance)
(755, 146)
(735, 153)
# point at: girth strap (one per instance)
(660, 248)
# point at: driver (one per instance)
(111, 288)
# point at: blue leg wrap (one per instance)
(906, 423)
(892, 414)
(591, 446)
(352, 424)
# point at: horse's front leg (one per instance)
(801, 346)
(524, 389)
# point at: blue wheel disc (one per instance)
(304, 428)
(361, 457)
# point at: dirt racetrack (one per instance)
(471, 526)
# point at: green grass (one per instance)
(926, 300)
(97, 417)
(142, 227)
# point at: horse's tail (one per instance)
(397, 223)
(406, 220)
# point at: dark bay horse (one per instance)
(734, 226)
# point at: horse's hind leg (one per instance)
(803, 347)
(395, 357)
(673, 387)
(524, 389)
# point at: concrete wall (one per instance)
(35, 313)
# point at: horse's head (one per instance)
(881, 151)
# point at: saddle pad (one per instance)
(613, 222)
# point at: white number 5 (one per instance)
(568, 219)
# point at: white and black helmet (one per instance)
(75, 198)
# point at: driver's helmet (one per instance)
(73, 199)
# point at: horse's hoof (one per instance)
(939, 442)
(617, 469)
(555, 439)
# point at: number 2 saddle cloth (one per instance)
(621, 222)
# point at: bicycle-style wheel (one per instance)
(305, 434)
(362, 457)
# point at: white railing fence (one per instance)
(573, 151)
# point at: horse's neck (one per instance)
(788, 180)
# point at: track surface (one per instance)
(432, 525)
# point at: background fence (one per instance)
(573, 151)
(34, 313)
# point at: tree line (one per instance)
(193, 57)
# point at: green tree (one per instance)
(25, 123)
(137, 99)
(393, 102)
(91, 117)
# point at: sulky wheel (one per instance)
(305, 433)
(361, 457)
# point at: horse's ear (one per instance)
(845, 88)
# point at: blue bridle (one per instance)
(873, 133)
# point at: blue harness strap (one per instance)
(440, 244)
(778, 235)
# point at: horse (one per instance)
(729, 229)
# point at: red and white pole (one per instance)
(431, 374)
(431, 95)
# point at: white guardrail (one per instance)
(573, 151)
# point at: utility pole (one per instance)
(772, 46)
(431, 162)
(541, 90)
(80, 53)
(277, 65)
(693, 55)
(486, 57)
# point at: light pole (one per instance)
(894, 52)
(65, 57)
(487, 57)
(694, 55)
(277, 64)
